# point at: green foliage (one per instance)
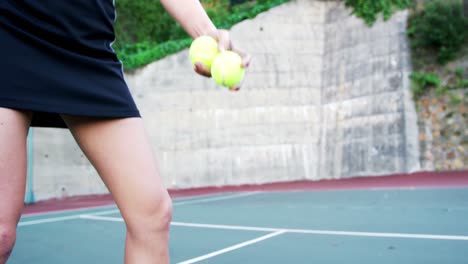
(423, 81)
(370, 9)
(455, 99)
(145, 32)
(143, 21)
(441, 27)
(459, 72)
(462, 84)
(136, 55)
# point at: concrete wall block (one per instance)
(355, 159)
(380, 66)
(292, 97)
(353, 130)
(392, 82)
(186, 82)
(284, 80)
(360, 69)
(404, 44)
(218, 98)
(360, 88)
(278, 45)
(270, 30)
(412, 141)
(359, 54)
(241, 165)
(330, 78)
(358, 107)
(272, 163)
(387, 125)
(57, 152)
(282, 62)
(335, 12)
(380, 46)
(387, 103)
(264, 135)
(387, 155)
(170, 63)
(191, 168)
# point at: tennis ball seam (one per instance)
(223, 74)
(227, 69)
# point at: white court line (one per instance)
(298, 231)
(226, 197)
(102, 218)
(48, 220)
(324, 232)
(113, 205)
(78, 216)
(231, 248)
(197, 201)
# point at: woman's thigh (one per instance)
(120, 151)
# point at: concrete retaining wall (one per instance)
(325, 97)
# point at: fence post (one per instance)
(29, 195)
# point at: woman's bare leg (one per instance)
(14, 127)
(120, 151)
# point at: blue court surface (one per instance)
(346, 226)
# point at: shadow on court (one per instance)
(411, 226)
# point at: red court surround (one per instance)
(416, 180)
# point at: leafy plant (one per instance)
(462, 83)
(455, 99)
(459, 72)
(370, 9)
(423, 81)
(136, 55)
(441, 27)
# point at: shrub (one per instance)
(142, 21)
(441, 27)
(370, 9)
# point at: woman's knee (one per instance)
(162, 213)
(154, 217)
(7, 239)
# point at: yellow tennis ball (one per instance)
(203, 49)
(227, 69)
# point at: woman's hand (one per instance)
(225, 43)
(191, 15)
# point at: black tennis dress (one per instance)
(56, 57)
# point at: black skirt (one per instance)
(56, 57)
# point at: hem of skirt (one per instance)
(59, 110)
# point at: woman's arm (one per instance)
(191, 16)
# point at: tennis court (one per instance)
(367, 224)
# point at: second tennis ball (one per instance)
(203, 49)
(227, 69)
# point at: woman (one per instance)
(58, 69)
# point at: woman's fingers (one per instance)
(201, 69)
(235, 88)
(246, 58)
(224, 40)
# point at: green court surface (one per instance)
(347, 226)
